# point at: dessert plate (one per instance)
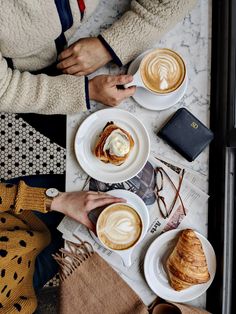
(149, 100)
(88, 134)
(156, 276)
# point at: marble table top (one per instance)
(192, 39)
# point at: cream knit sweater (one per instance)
(27, 33)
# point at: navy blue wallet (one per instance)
(186, 134)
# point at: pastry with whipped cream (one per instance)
(114, 145)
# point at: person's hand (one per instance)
(105, 89)
(77, 205)
(83, 57)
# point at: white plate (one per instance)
(156, 276)
(135, 201)
(151, 101)
(88, 134)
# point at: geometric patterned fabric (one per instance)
(25, 151)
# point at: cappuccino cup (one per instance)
(119, 227)
(162, 72)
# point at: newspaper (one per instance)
(198, 179)
(193, 197)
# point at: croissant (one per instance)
(187, 265)
(104, 154)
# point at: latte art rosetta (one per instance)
(119, 227)
(162, 71)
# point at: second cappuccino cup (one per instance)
(161, 72)
(119, 227)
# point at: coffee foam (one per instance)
(119, 227)
(162, 71)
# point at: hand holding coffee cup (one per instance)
(161, 72)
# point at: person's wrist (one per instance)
(106, 54)
(111, 52)
(58, 203)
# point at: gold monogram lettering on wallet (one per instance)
(194, 125)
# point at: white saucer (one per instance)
(88, 134)
(155, 273)
(136, 202)
(151, 101)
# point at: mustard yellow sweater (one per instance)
(22, 237)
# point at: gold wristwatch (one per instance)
(50, 194)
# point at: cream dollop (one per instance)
(120, 227)
(117, 143)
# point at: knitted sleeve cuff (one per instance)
(7, 196)
(115, 58)
(29, 198)
(87, 93)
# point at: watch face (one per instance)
(52, 192)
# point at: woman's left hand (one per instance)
(83, 57)
(77, 205)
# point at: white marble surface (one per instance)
(192, 39)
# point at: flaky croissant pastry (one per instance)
(114, 144)
(187, 265)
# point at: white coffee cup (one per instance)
(125, 254)
(161, 72)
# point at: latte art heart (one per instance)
(119, 227)
(162, 71)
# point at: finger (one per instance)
(104, 196)
(106, 201)
(127, 92)
(101, 194)
(95, 193)
(85, 71)
(89, 224)
(121, 79)
(72, 70)
(68, 62)
(80, 73)
(120, 198)
(65, 53)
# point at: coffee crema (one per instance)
(162, 71)
(119, 227)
